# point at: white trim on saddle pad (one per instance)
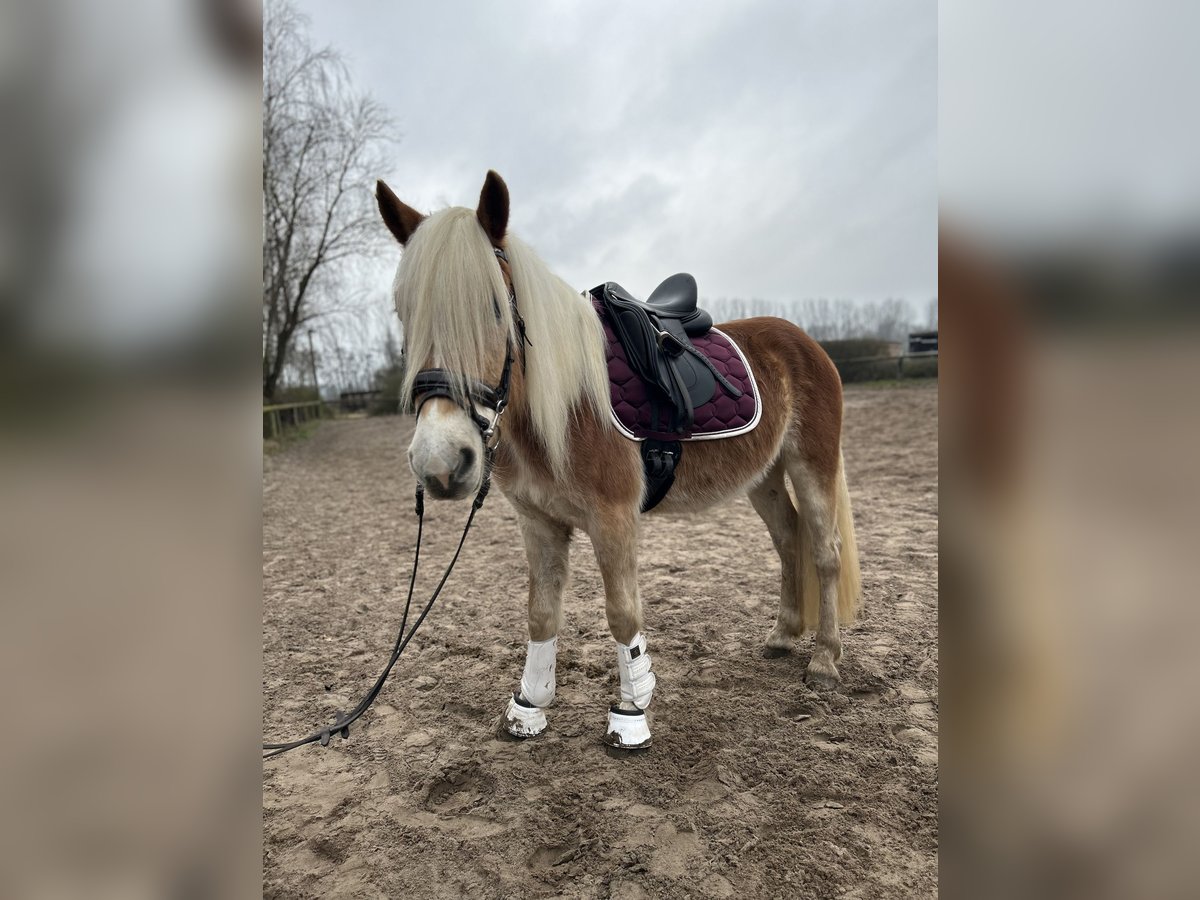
(731, 432)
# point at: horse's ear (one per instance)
(493, 207)
(402, 220)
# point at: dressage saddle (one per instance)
(675, 299)
(655, 335)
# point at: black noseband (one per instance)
(431, 383)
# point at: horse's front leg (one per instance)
(547, 546)
(614, 537)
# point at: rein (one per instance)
(430, 383)
(342, 725)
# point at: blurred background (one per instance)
(130, 251)
(1069, 275)
(787, 156)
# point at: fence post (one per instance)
(900, 367)
(279, 417)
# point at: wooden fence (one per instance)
(279, 416)
(873, 368)
(352, 401)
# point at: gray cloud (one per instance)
(775, 150)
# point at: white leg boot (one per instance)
(524, 716)
(628, 728)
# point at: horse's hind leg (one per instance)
(547, 546)
(771, 501)
(817, 500)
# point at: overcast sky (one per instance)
(775, 150)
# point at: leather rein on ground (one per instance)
(427, 384)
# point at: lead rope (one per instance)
(342, 725)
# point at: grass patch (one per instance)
(293, 434)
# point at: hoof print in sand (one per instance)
(458, 789)
(551, 855)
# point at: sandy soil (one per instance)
(755, 786)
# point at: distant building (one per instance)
(352, 401)
(923, 342)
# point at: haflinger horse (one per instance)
(480, 309)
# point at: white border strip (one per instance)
(733, 432)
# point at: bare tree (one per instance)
(829, 320)
(889, 320)
(323, 146)
(817, 316)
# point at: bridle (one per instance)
(427, 384)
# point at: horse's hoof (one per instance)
(522, 721)
(627, 729)
(779, 643)
(820, 678)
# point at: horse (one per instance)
(506, 371)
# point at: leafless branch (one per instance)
(323, 145)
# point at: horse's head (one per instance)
(452, 291)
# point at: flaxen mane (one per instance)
(444, 292)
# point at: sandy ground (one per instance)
(755, 786)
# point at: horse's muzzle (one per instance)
(444, 483)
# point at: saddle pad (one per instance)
(637, 414)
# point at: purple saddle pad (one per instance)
(634, 408)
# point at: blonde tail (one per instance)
(849, 582)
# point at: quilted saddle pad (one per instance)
(639, 415)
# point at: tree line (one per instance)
(829, 319)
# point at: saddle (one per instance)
(655, 335)
(656, 338)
